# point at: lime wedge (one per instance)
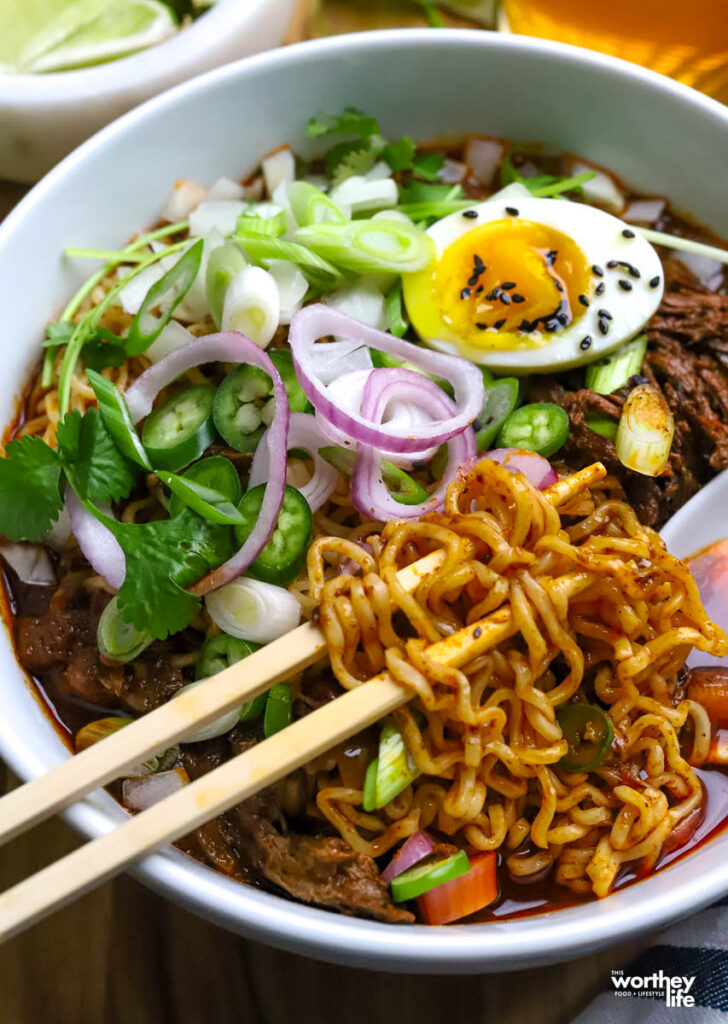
(57, 35)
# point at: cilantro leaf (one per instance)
(401, 154)
(162, 558)
(428, 165)
(424, 192)
(351, 121)
(30, 494)
(58, 333)
(103, 349)
(95, 465)
(348, 158)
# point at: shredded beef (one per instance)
(686, 339)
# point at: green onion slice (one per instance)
(398, 324)
(370, 246)
(118, 639)
(645, 431)
(396, 769)
(222, 266)
(369, 798)
(317, 271)
(612, 373)
(423, 877)
(216, 473)
(208, 503)
(117, 418)
(589, 733)
(403, 488)
(312, 206)
(165, 294)
(260, 221)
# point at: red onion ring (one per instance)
(303, 433)
(535, 468)
(368, 492)
(318, 321)
(227, 347)
(100, 547)
(413, 850)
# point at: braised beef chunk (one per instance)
(686, 339)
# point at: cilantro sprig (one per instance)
(542, 185)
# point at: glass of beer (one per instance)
(687, 39)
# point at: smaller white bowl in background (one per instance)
(44, 117)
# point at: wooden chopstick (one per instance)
(104, 761)
(262, 765)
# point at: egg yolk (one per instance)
(513, 276)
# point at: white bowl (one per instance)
(655, 133)
(44, 117)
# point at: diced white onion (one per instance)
(484, 157)
(139, 794)
(220, 213)
(214, 729)
(253, 610)
(363, 301)
(60, 531)
(252, 305)
(516, 190)
(709, 272)
(397, 215)
(183, 198)
(277, 167)
(133, 294)
(194, 306)
(292, 287)
(335, 358)
(601, 189)
(361, 195)
(452, 172)
(255, 189)
(173, 336)
(29, 562)
(225, 189)
(644, 211)
(379, 171)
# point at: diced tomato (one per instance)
(462, 896)
(709, 687)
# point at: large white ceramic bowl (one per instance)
(656, 134)
(44, 117)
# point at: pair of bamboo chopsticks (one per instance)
(242, 776)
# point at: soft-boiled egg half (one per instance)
(525, 284)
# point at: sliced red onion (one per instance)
(228, 347)
(368, 492)
(100, 547)
(29, 562)
(413, 850)
(139, 794)
(484, 156)
(535, 468)
(319, 321)
(303, 433)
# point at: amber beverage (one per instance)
(687, 39)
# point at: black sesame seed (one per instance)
(626, 286)
(603, 327)
(476, 632)
(599, 290)
(559, 286)
(507, 285)
(597, 270)
(605, 314)
(498, 324)
(612, 264)
(470, 214)
(637, 378)
(627, 233)
(551, 256)
(465, 293)
(478, 263)
(526, 326)
(563, 319)
(584, 300)
(585, 342)
(654, 282)
(552, 325)
(512, 211)
(479, 289)
(481, 327)
(517, 298)
(473, 280)
(505, 299)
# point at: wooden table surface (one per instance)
(123, 955)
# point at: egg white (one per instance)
(600, 238)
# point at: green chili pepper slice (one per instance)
(541, 427)
(284, 555)
(220, 652)
(278, 709)
(205, 501)
(380, 359)
(167, 293)
(244, 407)
(499, 401)
(589, 733)
(282, 359)
(216, 473)
(180, 430)
(423, 877)
(400, 485)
